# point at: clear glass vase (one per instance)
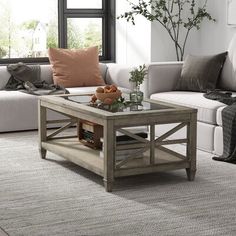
(136, 96)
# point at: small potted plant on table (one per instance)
(137, 78)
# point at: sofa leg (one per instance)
(190, 174)
(42, 153)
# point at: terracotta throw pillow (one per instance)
(75, 67)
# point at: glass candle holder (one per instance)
(136, 96)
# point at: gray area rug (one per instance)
(55, 197)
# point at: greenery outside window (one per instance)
(29, 27)
(84, 32)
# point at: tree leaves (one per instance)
(169, 13)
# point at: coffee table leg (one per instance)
(191, 146)
(108, 185)
(42, 153)
(190, 174)
(109, 154)
(42, 129)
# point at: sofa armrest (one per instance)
(162, 77)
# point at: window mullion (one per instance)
(84, 11)
(62, 27)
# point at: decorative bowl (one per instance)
(108, 98)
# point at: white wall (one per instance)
(133, 43)
(163, 47)
(215, 37)
(147, 41)
(211, 38)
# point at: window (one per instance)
(84, 32)
(29, 27)
(89, 4)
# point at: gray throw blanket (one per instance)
(26, 78)
(228, 124)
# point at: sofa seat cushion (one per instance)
(206, 108)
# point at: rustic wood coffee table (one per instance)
(155, 158)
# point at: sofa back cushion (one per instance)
(4, 77)
(46, 74)
(228, 75)
(75, 67)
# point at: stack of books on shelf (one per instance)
(90, 134)
(128, 146)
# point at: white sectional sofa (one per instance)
(161, 81)
(18, 111)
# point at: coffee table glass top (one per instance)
(125, 106)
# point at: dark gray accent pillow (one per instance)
(201, 73)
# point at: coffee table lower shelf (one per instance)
(72, 150)
(76, 152)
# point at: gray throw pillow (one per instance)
(201, 73)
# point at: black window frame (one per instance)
(107, 13)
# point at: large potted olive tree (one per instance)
(178, 17)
